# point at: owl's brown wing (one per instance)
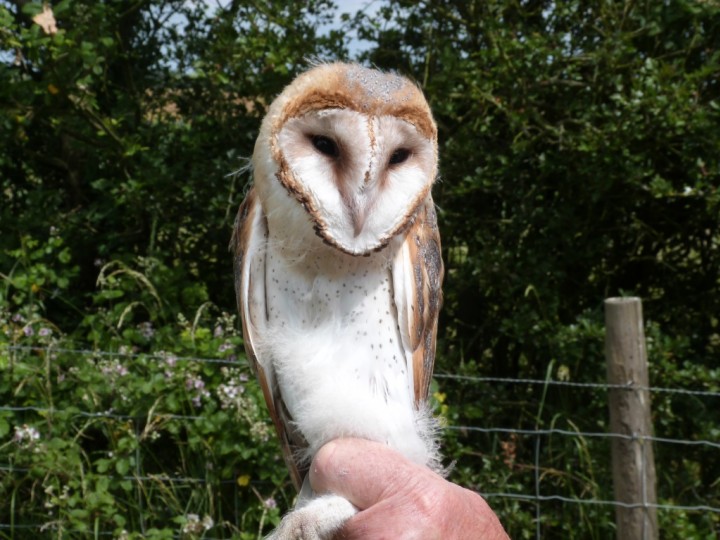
(248, 243)
(417, 280)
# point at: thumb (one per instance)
(362, 471)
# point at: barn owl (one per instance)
(338, 273)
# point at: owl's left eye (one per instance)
(399, 156)
(325, 145)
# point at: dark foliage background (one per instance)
(580, 147)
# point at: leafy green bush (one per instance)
(151, 427)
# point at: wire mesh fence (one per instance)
(158, 458)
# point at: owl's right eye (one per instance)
(325, 145)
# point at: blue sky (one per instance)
(353, 6)
(343, 6)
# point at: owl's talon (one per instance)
(319, 519)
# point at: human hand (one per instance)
(397, 498)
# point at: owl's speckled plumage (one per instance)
(338, 272)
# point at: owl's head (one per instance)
(356, 147)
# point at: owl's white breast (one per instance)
(334, 343)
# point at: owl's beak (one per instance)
(355, 207)
(358, 214)
(359, 204)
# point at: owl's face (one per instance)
(356, 147)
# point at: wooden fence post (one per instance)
(633, 462)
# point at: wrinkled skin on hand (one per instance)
(397, 498)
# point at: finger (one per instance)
(440, 511)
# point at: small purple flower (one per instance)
(225, 347)
(197, 386)
(195, 383)
(270, 503)
(218, 331)
(28, 330)
(18, 318)
(113, 369)
(146, 329)
(44, 332)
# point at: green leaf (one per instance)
(122, 466)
